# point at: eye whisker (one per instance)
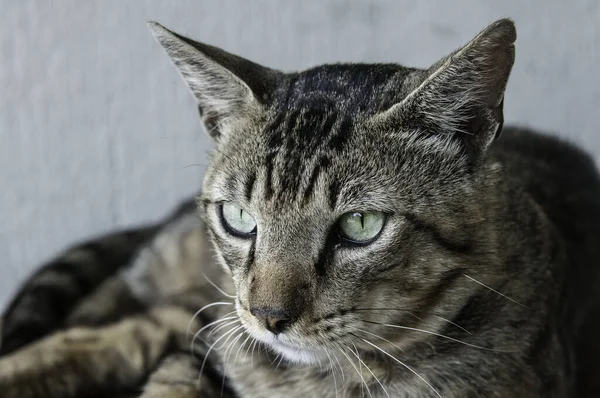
(216, 286)
(495, 291)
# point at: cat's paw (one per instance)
(80, 360)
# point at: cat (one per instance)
(362, 230)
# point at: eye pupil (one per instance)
(363, 232)
(237, 221)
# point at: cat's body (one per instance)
(475, 271)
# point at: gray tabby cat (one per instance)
(362, 235)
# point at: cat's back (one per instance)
(564, 181)
(560, 176)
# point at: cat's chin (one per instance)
(294, 353)
(297, 355)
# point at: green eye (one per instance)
(361, 227)
(237, 220)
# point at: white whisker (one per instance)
(497, 292)
(241, 348)
(226, 357)
(442, 336)
(229, 332)
(200, 311)
(357, 372)
(339, 365)
(197, 334)
(217, 328)
(369, 369)
(379, 337)
(332, 373)
(405, 365)
(217, 287)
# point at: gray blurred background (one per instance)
(97, 131)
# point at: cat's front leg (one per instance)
(178, 376)
(83, 361)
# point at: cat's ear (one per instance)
(227, 88)
(462, 95)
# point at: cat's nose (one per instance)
(276, 320)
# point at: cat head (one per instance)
(345, 197)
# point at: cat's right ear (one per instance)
(227, 88)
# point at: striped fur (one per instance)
(482, 281)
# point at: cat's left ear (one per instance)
(227, 88)
(460, 98)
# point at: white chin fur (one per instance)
(296, 355)
(291, 353)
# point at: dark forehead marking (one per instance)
(304, 142)
(313, 116)
(322, 164)
(357, 89)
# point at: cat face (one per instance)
(343, 199)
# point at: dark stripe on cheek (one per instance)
(434, 296)
(249, 187)
(250, 261)
(326, 253)
(445, 242)
(269, 175)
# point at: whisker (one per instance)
(442, 336)
(217, 287)
(194, 165)
(221, 320)
(278, 363)
(276, 358)
(222, 327)
(497, 292)
(379, 337)
(229, 332)
(410, 312)
(200, 311)
(369, 369)
(405, 365)
(339, 365)
(226, 356)
(241, 348)
(332, 373)
(252, 353)
(357, 372)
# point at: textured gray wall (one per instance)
(97, 131)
